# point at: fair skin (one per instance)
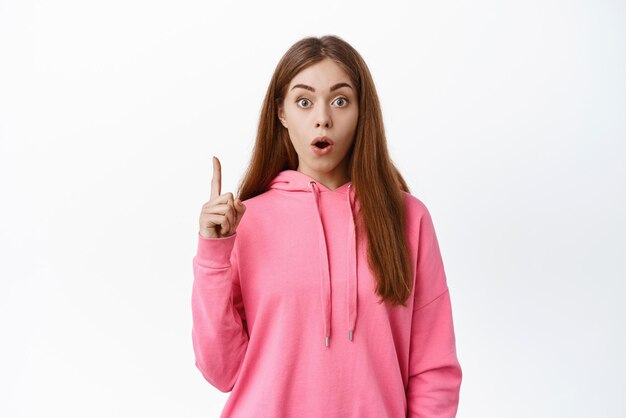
(321, 101)
(323, 112)
(221, 214)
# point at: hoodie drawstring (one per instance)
(352, 268)
(325, 271)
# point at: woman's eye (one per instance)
(342, 99)
(300, 100)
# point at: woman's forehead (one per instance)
(325, 75)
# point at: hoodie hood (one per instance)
(298, 182)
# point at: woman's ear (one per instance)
(281, 116)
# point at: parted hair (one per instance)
(377, 183)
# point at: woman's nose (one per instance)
(323, 118)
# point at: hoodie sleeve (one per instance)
(434, 370)
(219, 337)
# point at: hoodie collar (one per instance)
(297, 181)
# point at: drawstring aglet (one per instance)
(327, 341)
(350, 335)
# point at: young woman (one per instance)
(320, 291)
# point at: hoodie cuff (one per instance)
(215, 252)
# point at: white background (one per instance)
(506, 118)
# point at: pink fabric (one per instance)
(296, 272)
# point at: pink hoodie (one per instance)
(318, 342)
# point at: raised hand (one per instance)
(221, 215)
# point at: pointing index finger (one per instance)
(216, 181)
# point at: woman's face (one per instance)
(321, 101)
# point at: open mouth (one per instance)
(322, 145)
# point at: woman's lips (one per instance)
(322, 151)
(322, 138)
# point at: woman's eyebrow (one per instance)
(333, 88)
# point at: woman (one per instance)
(329, 297)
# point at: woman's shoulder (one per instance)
(416, 211)
(415, 206)
(261, 209)
(261, 200)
